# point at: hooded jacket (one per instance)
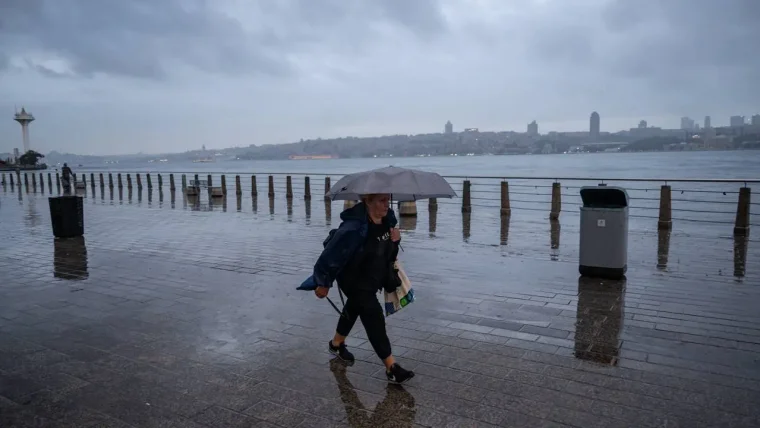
(342, 245)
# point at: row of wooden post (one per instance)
(665, 220)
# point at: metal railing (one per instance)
(666, 200)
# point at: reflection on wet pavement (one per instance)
(599, 319)
(663, 247)
(187, 315)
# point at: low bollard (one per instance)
(556, 201)
(271, 186)
(665, 219)
(307, 188)
(506, 209)
(466, 199)
(741, 227)
(288, 187)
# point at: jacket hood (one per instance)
(359, 213)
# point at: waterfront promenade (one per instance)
(181, 314)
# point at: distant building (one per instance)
(448, 128)
(708, 125)
(737, 121)
(643, 124)
(687, 123)
(755, 120)
(15, 155)
(533, 129)
(594, 125)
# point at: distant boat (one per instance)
(204, 160)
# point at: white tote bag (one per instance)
(403, 295)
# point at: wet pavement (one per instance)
(180, 314)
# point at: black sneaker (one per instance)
(341, 352)
(398, 374)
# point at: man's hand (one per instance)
(321, 292)
(395, 234)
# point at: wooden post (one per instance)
(150, 184)
(102, 184)
(129, 183)
(118, 180)
(743, 212)
(432, 204)
(254, 189)
(84, 179)
(184, 182)
(327, 187)
(556, 201)
(271, 186)
(57, 181)
(139, 182)
(666, 219)
(238, 188)
(224, 185)
(42, 182)
(466, 200)
(26, 180)
(288, 187)
(92, 180)
(506, 209)
(110, 180)
(3, 182)
(307, 188)
(160, 182)
(407, 209)
(196, 179)
(34, 182)
(50, 181)
(172, 187)
(12, 183)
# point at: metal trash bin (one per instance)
(67, 216)
(604, 232)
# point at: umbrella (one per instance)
(402, 183)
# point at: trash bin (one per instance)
(67, 216)
(604, 232)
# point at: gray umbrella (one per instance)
(403, 184)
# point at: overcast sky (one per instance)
(116, 76)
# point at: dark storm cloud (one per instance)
(140, 38)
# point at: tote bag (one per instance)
(402, 296)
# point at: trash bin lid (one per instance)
(604, 197)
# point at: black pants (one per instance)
(364, 304)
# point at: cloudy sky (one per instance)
(116, 76)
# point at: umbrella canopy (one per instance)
(403, 184)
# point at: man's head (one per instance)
(377, 204)
(65, 164)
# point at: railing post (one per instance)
(271, 186)
(150, 184)
(238, 187)
(92, 180)
(129, 183)
(42, 182)
(12, 183)
(26, 180)
(57, 181)
(556, 201)
(224, 185)
(288, 187)
(307, 188)
(160, 182)
(139, 181)
(407, 209)
(209, 183)
(327, 188)
(196, 179)
(118, 180)
(110, 180)
(743, 212)
(466, 200)
(666, 219)
(34, 182)
(432, 205)
(254, 188)
(84, 179)
(184, 182)
(506, 209)
(172, 187)
(50, 181)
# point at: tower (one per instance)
(24, 119)
(448, 128)
(594, 125)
